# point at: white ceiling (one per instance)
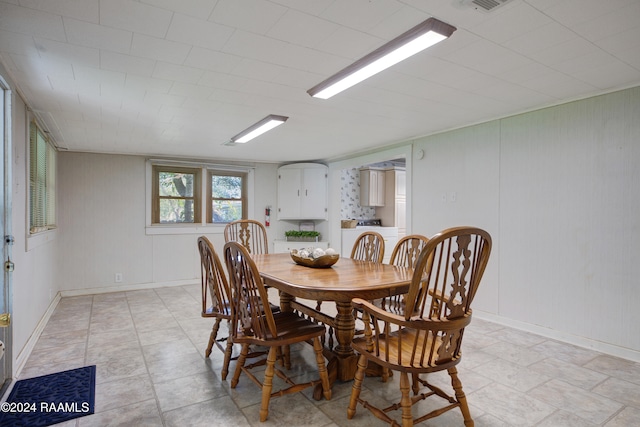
(180, 77)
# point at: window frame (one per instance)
(156, 197)
(48, 200)
(203, 226)
(210, 199)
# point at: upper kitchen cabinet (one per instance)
(394, 212)
(372, 187)
(303, 191)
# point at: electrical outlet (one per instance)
(118, 277)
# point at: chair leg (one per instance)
(239, 365)
(460, 396)
(415, 387)
(212, 337)
(227, 359)
(267, 385)
(405, 401)
(286, 356)
(357, 386)
(322, 368)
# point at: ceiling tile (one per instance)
(196, 8)
(33, 22)
(250, 15)
(505, 24)
(349, 44)
(190, 91)
(540, 39)
(21, 44)
(193, 31)
(159, 49)
(360, 15)
(126, 63)
(600, 75)
(178, 73)
(54, 51)
(302, 29)
(563, 51)
(135, 16)
(86, 10)
(91, 35)
(211, 60)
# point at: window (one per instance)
(184, 194)
(227, 194)
(42, 181)
(176, 195)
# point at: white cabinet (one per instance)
(303, 191)
(372, 187)
(283, 246)
(394, 212)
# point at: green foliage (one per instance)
(177, 185)
(298, 233)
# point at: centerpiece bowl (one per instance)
(323, 261)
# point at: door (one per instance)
(5, 229)
(314, 197)
(289, 180)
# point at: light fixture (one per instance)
(259, 128)
(405, 45)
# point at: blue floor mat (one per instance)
(50, 399)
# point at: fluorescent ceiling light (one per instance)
(259, 128)
(405, 45)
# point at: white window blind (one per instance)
(42, 182)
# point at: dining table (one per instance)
(300, 286)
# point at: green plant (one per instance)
(298, 233)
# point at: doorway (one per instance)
(5, 230)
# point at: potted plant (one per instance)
(302, 236)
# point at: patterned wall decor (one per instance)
(350, 197)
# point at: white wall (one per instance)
(34, 285)
(102, 219)
(558, 189)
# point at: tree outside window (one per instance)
(227, 195)
(176, 195)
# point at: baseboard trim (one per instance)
(24, 354)
(602, 347)
(126, 288)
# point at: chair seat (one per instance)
(291, 328)
(403, 360)
(224, 313)
(393, 304)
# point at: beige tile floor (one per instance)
(149, 350)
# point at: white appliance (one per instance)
(349, 236)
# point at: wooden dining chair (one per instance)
(250, 233)
(369, 246)
(428, 337)
(215, 298)
(250, 325)
(405, 254)
(215, 301)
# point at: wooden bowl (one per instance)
(320, 262)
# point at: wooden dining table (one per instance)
(340, 283)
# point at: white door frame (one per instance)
(6, 291)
